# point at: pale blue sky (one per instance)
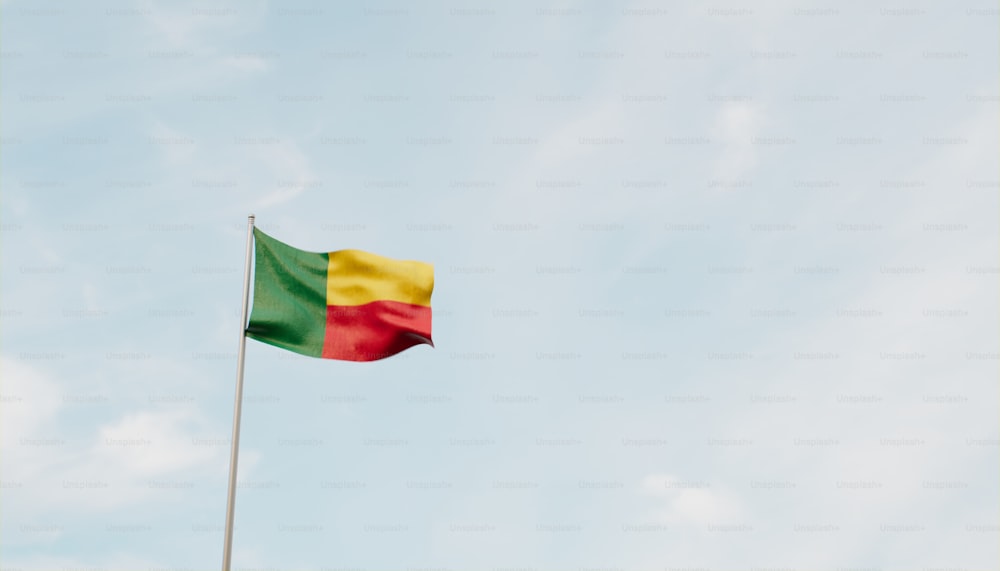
(716, 284)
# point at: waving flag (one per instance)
(348, 305)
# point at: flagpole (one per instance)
(235, 447)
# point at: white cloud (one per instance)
(290, 167)
(108, 468)
(196, 26)
(735, 125)
(689, 502)
(150, 444)
(30, 400)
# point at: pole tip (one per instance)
(251, 217)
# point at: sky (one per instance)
(715, 284)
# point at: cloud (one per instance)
(150, 444)
(117, 463)
(29, 402)
(689, 502)
(290, 167)
(735, 125)
(195, 26)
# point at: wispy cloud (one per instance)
(681, 502)
(735, 126)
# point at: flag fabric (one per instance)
(348, 305)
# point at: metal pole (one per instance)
(235, 449)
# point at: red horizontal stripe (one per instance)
(374, 330)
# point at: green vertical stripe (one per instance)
(289, 296)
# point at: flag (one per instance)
(348, 305)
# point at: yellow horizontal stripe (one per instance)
(354, 277)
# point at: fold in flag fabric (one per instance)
(348, 305)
